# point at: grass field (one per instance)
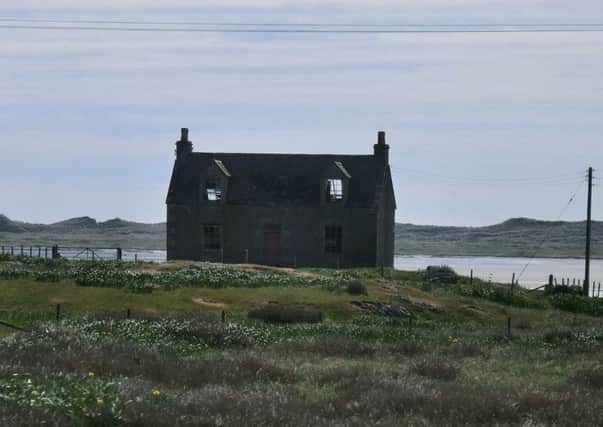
(174, 362)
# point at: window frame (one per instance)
(333, 239)
(214, 189)
(212, 237)
(334, 189)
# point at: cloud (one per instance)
(99, 112)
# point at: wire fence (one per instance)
(85, 253)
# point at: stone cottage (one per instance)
(322, 210)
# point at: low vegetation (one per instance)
(356, 287)
(289, 351)
(285, 313)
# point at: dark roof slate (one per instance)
(276, 179)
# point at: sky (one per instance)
(482, 127)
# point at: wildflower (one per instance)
(99, 401)
(34, 392)
(90, 374)
(156, 392)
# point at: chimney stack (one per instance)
(184, 147)
(381, 149)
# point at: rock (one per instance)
(382, 308)
(422, 304)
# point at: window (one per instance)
(333, 239)
(213, 189)
(212, 237)
(334, 189)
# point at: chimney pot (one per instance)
(381, 149)
(183, 147)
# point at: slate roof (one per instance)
(277, 179)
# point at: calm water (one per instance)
(497, 269)
(500, 269)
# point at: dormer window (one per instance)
(213, 190)
(334, 189)
(216, 182)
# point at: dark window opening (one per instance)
(213, 189)
(212, 237)
(334, 189)
(333, 239)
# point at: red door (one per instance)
(272, 244)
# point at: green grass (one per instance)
(175, 362)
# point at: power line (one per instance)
(258, 28)
(550, 230)
(557, 179)
(297, 24)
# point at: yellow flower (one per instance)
(34, 392)
(90, 374)
(99, 401)
(156, 392)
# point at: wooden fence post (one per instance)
(509, 327)
(471, 278)
(118, 254)
(58, 314)
(512, 283)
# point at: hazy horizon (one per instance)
(482, 127)
(163, 221)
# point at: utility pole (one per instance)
(586, 285)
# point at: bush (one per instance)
(331, 346)
(440, 274)
(285, 313)
(436, 369)
(500, 294)
(563, 289)
(356, 287)
(578, 304)
(592, 377)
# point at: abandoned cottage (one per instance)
(281, 209)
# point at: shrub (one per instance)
(356, 287)
(407, 348)
(436, 369)
(285, 313)
(464, 350)
(563, 289)
(440, 274)
(592, 377)
(578, 304)
(556, 336)
(332, 346)
(500, 294)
